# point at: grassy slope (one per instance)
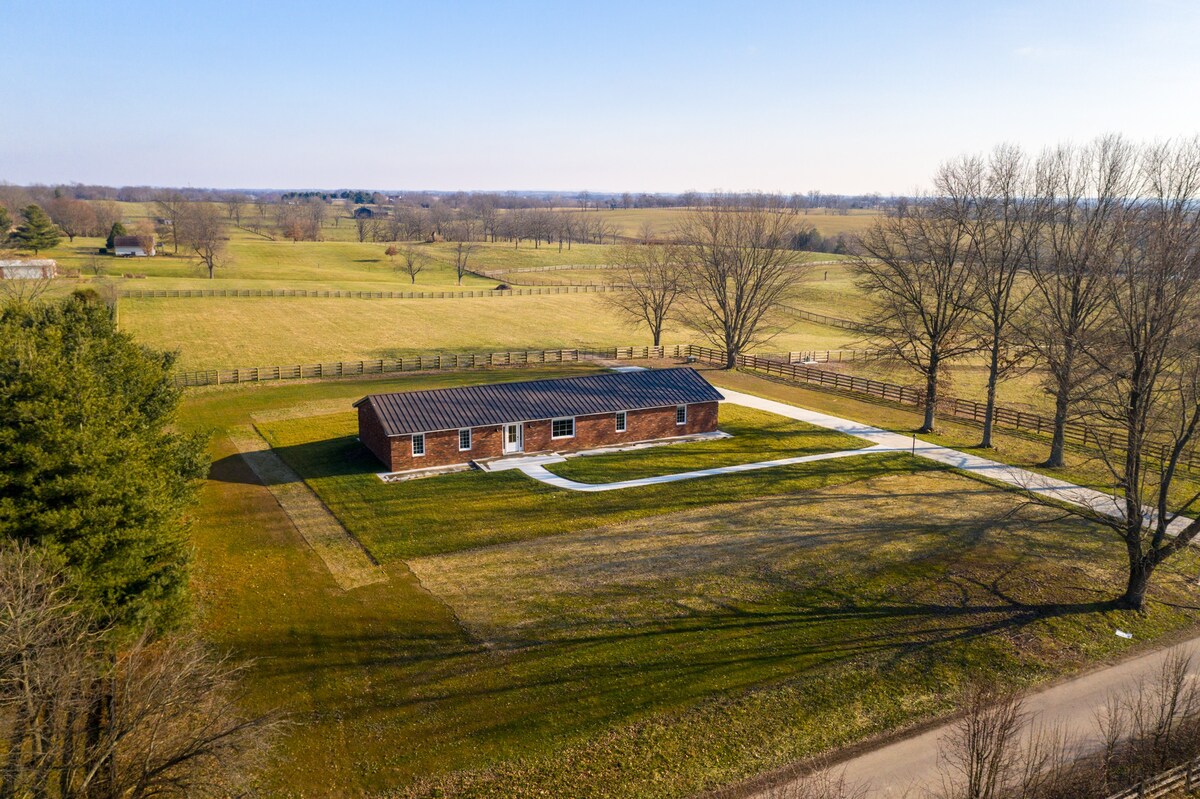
(696, 677)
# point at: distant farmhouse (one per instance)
(28, 269)
(413, 430)
(133, 246)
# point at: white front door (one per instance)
(514, 438)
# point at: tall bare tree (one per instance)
(170, 206)
(653, 275)
(1148, 363)
(1090, 191)
(107, 213)
(462, 254)
(412, 262)
(202, 230)
(314, 218)
(915, 267)
(740, 271)
(73, 217)
(1001, 219)
(234, 203)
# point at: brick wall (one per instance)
(441, 448)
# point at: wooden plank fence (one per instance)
(1080, 434)
(823, 319)
(1185, 777)
(366, 295)
(417, 363)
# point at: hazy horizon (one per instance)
(534, 97)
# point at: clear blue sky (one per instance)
(639, 96)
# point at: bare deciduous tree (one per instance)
(916, 269)
(202, 230)
(412, 262)
(654, 278)
(157, 718)
(1001, 219)
(739, 271)
(1149, 371)
(1089, 191)
(462, 253)
(107, 213)
(980, 756)
(234, 203)
(171, 206)
(74, 217)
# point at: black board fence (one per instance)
(417, 363)
(1082, 435)
(137, 294)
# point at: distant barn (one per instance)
(412, 430)
(28, 269)
(133, 246)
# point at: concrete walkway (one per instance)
(538, 472)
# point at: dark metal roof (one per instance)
(129, 241)
(532, 400)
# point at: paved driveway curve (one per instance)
(538, 472)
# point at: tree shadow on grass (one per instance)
(649, 667)
(335, 457)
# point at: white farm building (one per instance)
(28, 269)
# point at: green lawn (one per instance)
(348, 265)
(644, 643)
(757, 436)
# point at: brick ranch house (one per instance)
(412, 430)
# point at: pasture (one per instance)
(630, 222)
(645, 643)
(242, 332)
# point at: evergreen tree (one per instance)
(117, 229)
(5, 224)
(92, 466)
(37, 232)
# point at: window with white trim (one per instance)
(464, 439)
(680, 414)
(562, 428)
(418, 444)
(621, 421)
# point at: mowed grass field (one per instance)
(227, 332)
(254, 262)
(662, 221)
(646, 643)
